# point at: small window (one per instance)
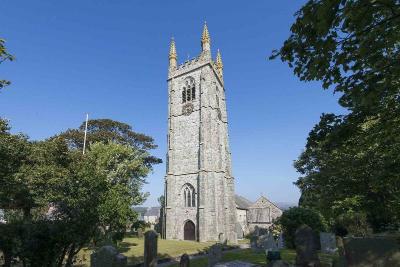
(189, 90)
(189, 196)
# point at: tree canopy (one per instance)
(352, 46)
(351, 162)
(4, 56)
(106, 130)
(58, 200)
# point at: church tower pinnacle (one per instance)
(206, 41)
(172, 55)
(218, 63)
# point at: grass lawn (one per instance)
(258, 258)
(133, 248)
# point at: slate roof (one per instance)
(140, 210)
(242, 203)
(153, 211)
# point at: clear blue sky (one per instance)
(109, 58)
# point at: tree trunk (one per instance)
(62, 257)
(71, 255)
(27, 214)
(7, 258)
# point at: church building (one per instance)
(200, 200)
(199, 186)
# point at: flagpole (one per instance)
(84, 139)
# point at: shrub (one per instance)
(354, 223)
(294, 217)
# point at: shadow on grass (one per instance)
(125, 246)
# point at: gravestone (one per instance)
(328, 242)
(108, 256)
(256, 231)
(281, 243)
(260, 241)
(185, 261)
(150, 248)
(214, 255)
(120, 260)
(239, 231)
(262, 231)
(372, 251)
(140, 233)
(306, 251)
(269, 243)
(253, 241)
(222, 239)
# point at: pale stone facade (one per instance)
(199, 186)
(261, 213)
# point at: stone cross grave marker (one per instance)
(150, 248)
(306, 251)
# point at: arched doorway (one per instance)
(189, 231)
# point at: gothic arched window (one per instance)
(189, 90)
(184, 95)
(189, 196)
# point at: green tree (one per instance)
(106, 130)
(14, 151)
(4, 56)
(294, 217)
(124, 170)
(353, 158)
(59, 200)
(352, 47)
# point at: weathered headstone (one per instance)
(306, 251)
(222, 239)
(150, 248)
(185, 261)
(269, 243)
(108, 256)
(253, 241)
(260, 241)
(262, 231)
(140, 233)
(256, 231)
(214, 254)
(328, 242)
(120, 260)
(372, 251)
(280, 242)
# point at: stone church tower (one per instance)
(199, 186)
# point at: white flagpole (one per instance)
(84, 139)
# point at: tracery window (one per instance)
(189, 196)
(189, 90)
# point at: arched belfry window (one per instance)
(188, 90)
(189, 196)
